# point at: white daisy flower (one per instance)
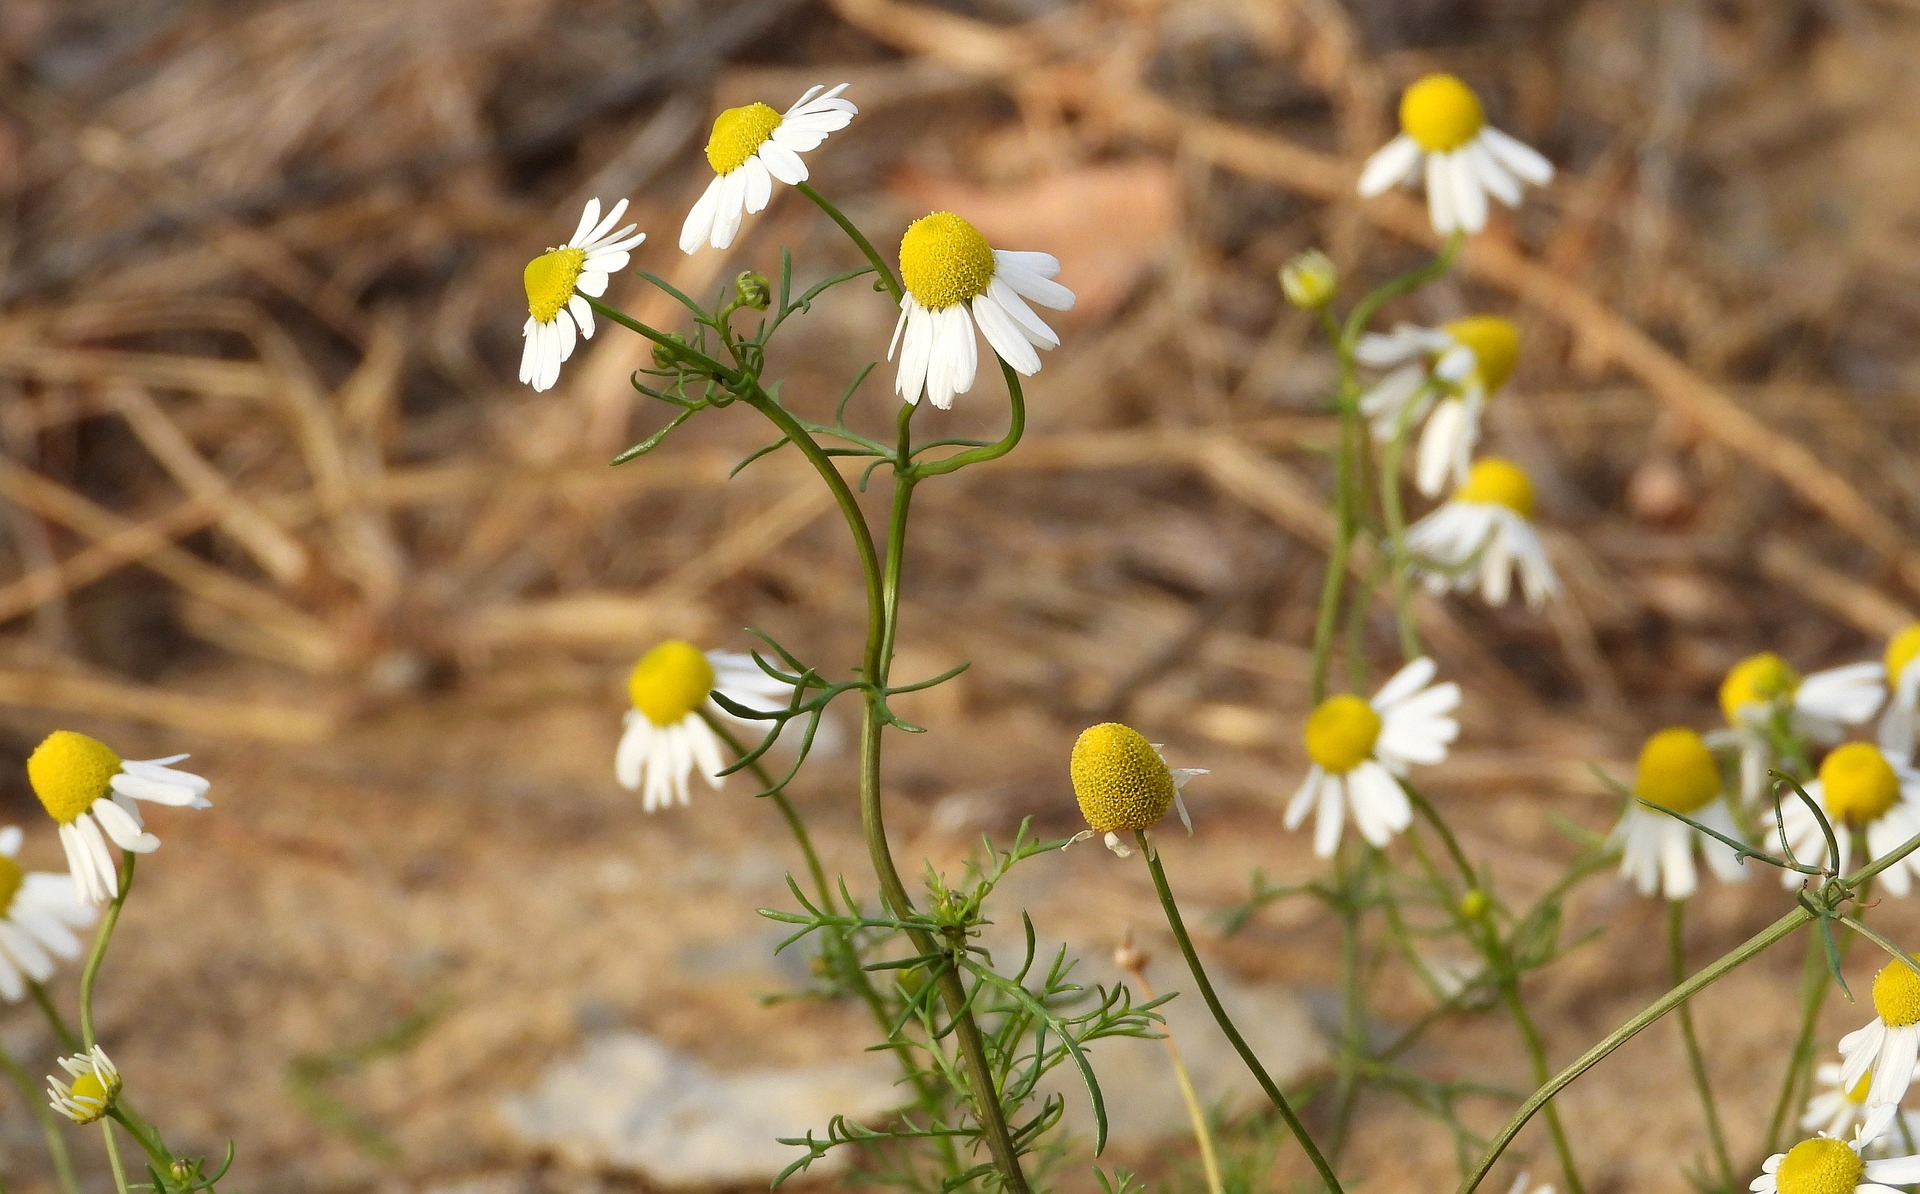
(1443, 127)
(1677, 771)
(953, 280)
(749, 148)
(666, 737)
(38, 913)
(1882, 1054)
(92, 791)
(557, 314)
(1858, 787)
(1483, 534)
(1359, 748)
(1835, 1109)
(1122, 781)
(1451, 371)
(1818, 708)
(96, 1084)
(1826, 1165)
(1901, 726)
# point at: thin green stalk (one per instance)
(1196, 1114)
(1537, 1054)
(68, 1042)
(89, 975)
(113, 1157)
(1721, 967)
(49, 1126)
(1220, 1016)
(1813, 995)
(1696, 1061)
(859, 239)
(1345, 523)
(1353, 1002)
(1395, 512)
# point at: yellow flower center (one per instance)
(1340, 733)
(1820, 1166)
(737, 133)
(1441, 113)
(69, 772)
(1761, 680)
(944, 260)
(1859, 784)
(1495, 344)
(550, 278)
(89, 1086)
(1677, 771)
(1901, 651)
(670, 681)
(1498, 482)
(1896, 995)
(11, 877)
(1120, 781)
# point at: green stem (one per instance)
(1696, 1061)
(1353, 1003)
(1333, 587)
(49, 1127)
(1721, 967)
(1813, 995)
(859, 239)
(1220, 1016)
(113, 1157)
(91, 974)
(68, 1042)
(1016, 427)
(1537, 1053)
(1395, 512)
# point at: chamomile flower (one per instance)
(1677, 771)
(1359, 749)
(95, 1087)
(1827, 1165)
(1484, 534)
(1835, 1109)
(749, 148)
(1819, 708)
(557, 314)
(1858, 787)
(1449, 371)
(1901, 725)
(38, 913)
(92, 791)
(954, 279)
(1443, 127)
(666, 737)
(1122, 781)
(1884, 1052)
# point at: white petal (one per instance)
(699, 226)
(1031, 276)
(1524, 160)
(782, 162)
(1494, 177)
(582, 314)
(1390, 165)
(1439, 445)
(759, 184)
(1005, 335)
(123, 829)
(1469, 201)
(1326, 829)
(589, 216)
(1405, 682)
(1440, 195)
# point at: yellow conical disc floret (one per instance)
(1495, 343)
(670, 681)
(1441, 113)
(1677, 771)
(11, 877)
(1822, 1165)
(69, 772)
(1902, 650)
(1858, 783)
(1759, 680)
(737, 134)
(1340, 733)
(1120, 781)
(1498, 482)
(944, 260)
(550, 278)
(88, 1086)
(1896, 995)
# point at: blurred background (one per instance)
(269, 494)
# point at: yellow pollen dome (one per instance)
(549, 279)
(1858, 783)
(69, 772)
(1822, 1165)
(670, 681)
(1901, 651)
(1441, 113)
(737, 133)
(1120, 781)
(1495, 343)
(89, 1086)
(1759, 680)
(1497, 482)
(1340, 733)
(944, 261)
(1896, 995)
(1677, 771)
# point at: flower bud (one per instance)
(663, 356)
(1309, 280)
(1474, 903)
(754, 290)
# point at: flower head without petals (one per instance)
(1122, 782)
